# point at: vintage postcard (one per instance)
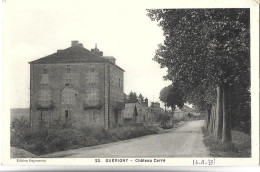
(130, 83)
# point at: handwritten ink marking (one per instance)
(208, 162)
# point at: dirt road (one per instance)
(185, 141)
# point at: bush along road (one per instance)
(185, 141)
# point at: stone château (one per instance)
(78, 84)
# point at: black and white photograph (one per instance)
(126, 83)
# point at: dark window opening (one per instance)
(66, 114)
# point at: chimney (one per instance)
(96, 51)
(140, 100)
(146, 102)
(74, 43)
(80, 45)
(110, 58)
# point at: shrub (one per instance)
(237, 148)
(59, 136)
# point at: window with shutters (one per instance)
(91, 79)
(92, 117)
(92, 69)
(45, 79)
(69, 96)
(45, 116)
(92, 96)
(68, 78)
(45, 95)
(44, 70)
(68, 68)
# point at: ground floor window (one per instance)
(92, 117)
(46, 116)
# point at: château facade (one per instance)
(77, 84)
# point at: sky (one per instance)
(35, 28)
(128, 34)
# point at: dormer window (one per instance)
(91, 78)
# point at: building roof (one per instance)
(73, 54)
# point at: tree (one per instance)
(206, 51)
(175, 97)
(163, 119)
(125, 98)
(172, 96)
(163, 96)
(135, 113)
(132, 98)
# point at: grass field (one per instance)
(18, 113)
(240, 146)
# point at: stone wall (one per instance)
(88, 93)
(113, 96)
(58, 96)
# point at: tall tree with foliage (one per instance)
(163, 96)
(172, 96)
(132, 98)
(207, 51)
(125, 98)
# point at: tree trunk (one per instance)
(212, 120)
(165, 108)
(208, 118)
(219, 113)
(210, 123)
(226, 132)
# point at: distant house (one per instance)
(183, 112)
(135, 113)
(156, 108)
(145, 114)
(79, 84)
